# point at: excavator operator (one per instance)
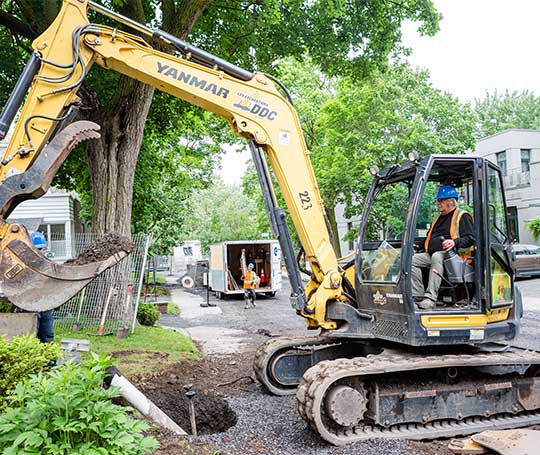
(452, 229)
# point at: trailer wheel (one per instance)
(187, 282)
(270, 294)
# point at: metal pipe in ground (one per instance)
(190, 394)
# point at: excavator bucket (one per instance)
(29, 280)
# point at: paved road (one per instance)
(241, 329)
(529, 336)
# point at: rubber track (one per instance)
(318, 378)
(266, 352)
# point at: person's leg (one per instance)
(434, 283)
(246, 298)
(253, 297)
(419, 261)
(45, 331)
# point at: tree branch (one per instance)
(16, 26)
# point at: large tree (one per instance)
(497, 112)
(221, 213)
(352, 124)
(345, 36)
(378, 122)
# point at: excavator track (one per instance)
(268, 353)
(319, 380)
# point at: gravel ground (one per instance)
(271, 425)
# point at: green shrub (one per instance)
(147, 314)
(67, 411)
(21, 357)
(534, 226)
(5, 307)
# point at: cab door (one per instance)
(498, 257)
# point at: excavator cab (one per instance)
(477, 302)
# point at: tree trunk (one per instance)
(112, 159)
(334, 234)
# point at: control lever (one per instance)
(436, 272)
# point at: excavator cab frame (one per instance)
(485, 307)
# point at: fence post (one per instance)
(139, 288)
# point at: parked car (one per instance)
(527, 260)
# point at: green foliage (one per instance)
(534, 226)
(179, 152)
(341, 36)
(378, 122)
(221, 213)
(499, 112)
(147, 314)
(172, 308)
(5, 307)
(21, 357)
(67, 411)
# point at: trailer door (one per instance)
(276, 265)
(217, 270)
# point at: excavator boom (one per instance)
(250, 102)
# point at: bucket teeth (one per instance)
(35, 181)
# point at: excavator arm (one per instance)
(250, 102)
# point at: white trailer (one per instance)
(225, 271)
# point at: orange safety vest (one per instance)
(454, 232)
(250, 280)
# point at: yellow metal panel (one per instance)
(464, 320)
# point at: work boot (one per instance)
(253, 303)
(426, 304)
(246, 306)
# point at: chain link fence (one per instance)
(111, 300)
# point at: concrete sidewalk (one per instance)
(194, 319)
(190, 304)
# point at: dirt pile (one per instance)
(103, 248)
(213, 413)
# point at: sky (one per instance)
(482, 45)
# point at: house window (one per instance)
(525, 160)
(188, 250)
(501, 161)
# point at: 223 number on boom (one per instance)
(305, 200)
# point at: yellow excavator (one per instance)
(379, 366)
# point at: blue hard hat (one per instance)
(38, 239)
(251, 266)
(447, 192)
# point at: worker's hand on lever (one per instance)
(448, 244)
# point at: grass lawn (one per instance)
(172, 308)
(148, 349)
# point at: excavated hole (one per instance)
(213, 413)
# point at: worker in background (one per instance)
(45, 331)
(453, 228)
(251, 281)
